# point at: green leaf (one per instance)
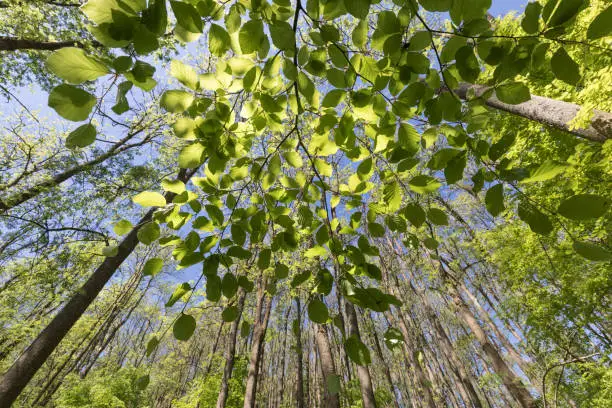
(152, 345)
(174, 186)
(436, 5)
(251, 36)
(191, 156)
(360, 33)
(229, 285)
(176, 101)
(155, 17)
(467, 64)
(393, 338)
(282, 35)
(583, 207)
(74, 66)
(494, 199)
(185, 74)
(215, 214)
(184, 327)
(229, 314)
(149, 199)
(557, 12)
(513, 93)
(424, 184)
(357, 351)
(415, 214)
(178, 293)
(592, 252)
(564, 67)
(392, 194)
(317, 311)
(358, 8)
(315, 251)
(441, 158)
(219, 41)
(110, 250)
(530, 23)
(538, 222)
(546, 171)
(293, 158)
(213, 288)
(71, 103)
(82, 136)
(122, 227)
(601, 26)
(148, 233)
(152, 267)
(142, 382)
(245, 329)
(187, 16)
(333, 381)
(437, 216)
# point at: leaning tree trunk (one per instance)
(259, 332)
(22, 371)
(327, 366)
(509, 378)
(365, 381)
(385, 365)
(230, 351)
(547, 111)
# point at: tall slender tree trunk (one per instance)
(259, 332)
(414, 362)
(327, 366)
(22, 371)
(230, 351)
(299, 392)
(365, 381)
(385, 366)
(509, 378)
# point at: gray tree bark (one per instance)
(547, 111)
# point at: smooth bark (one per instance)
(550, 112)
(328, 367)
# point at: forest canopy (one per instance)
(305, 203)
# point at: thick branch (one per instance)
(547, 111)
(13, 44)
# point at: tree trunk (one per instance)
(365, 381)
(22, 371)
(230, 350)
(14, 44)
(509, 378)
(547, 111)
(299, 393)
(327, 366)
(260, 326)
(385, 366)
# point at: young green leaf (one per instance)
(74, 66)
(71, 103)
(82, 136)
(229, 314)
(584, 207)
(592, 252)
(357, 351)
(601, 26)
(149, 199)
(184, 327)
(317, 311)
(152, 267)
(178, 293)
(494, 200)
(513, 93)
(176, 101)
(564, 67)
